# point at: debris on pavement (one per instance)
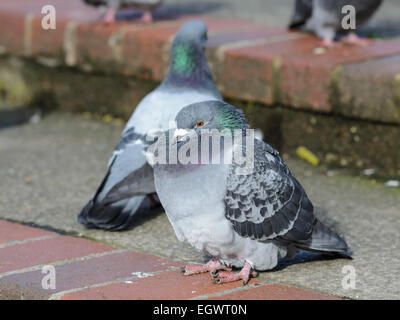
(307, 155)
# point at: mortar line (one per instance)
(70, 43)
(28, 34)
(18, 242)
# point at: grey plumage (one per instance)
(130, 179)
(258, 217)
(323, 17)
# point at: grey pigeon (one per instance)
(147, 6)
(241, 220)
(130, 179)
(324, 18)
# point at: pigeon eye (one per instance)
(199, 124)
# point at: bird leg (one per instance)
(212, 266)
(244, 275)
(330, 43)
(146, 18)
(109, 16)
(354, 39)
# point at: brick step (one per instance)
(88, 270)
(250, 62)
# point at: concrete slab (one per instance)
(49, 170)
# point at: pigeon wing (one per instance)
(269, 203)
(123, 189)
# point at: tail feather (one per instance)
(112, 216)
(302, 12)
(324, 240)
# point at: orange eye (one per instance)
(199, 124)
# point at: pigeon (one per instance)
(147, 6)
(129, 178)
(324, 18)
(243, 219)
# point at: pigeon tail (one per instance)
(302, 12)
(112, 216)
(325, 241)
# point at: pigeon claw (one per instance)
(109, 17)
(330, 43)
(147, 18)
(245, 274)
(354, 39)
(212, 266)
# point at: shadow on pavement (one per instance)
(9, 118)
(172, 11)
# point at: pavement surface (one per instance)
(49, 170)
(385, 22)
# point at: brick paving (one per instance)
(249, 61)
(87, 270)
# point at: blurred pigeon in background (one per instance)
(241, 220)
(324, 18)
(147, 6)
(130, 179)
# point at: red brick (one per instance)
(217, 40)
(216, 26)
(166, 286)
(12, 32)
(65, 10)
(246, 34)
(248, 73)
(87, 272)
(16, 232)
(47, 42)
(47, 251)
(93, 44)
(369, 84)
(303, 79)
(145, 50)
(306, 77)
(274, 292)
(12, 23)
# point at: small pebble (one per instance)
(353, 130)
(369, 172)
(392, 184)
(319, 51)
(330, 173)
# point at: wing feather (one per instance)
(269, 203)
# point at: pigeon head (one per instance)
(188, 64)
(211, 115)
(188, 47)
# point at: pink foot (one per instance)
(330, 43)
(212, 266)
(353, 39)
(109, 17)
(244, 275)
(146, 18)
